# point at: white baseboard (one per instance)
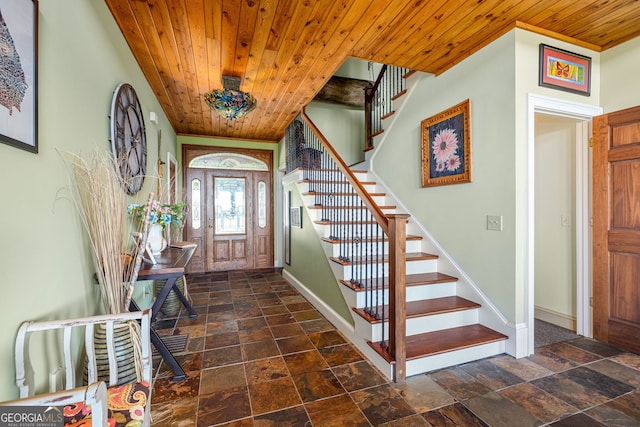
(346, 328)
(555, 318)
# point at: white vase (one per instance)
(156, 239)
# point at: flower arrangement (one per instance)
(162, 214)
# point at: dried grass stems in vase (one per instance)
(102, 207)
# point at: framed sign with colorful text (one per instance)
(564, 70)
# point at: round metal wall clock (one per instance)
(128, 138)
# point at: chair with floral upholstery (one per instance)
(105, 402)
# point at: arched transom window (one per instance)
(228, 161)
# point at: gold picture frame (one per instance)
(446, 147)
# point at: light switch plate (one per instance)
(494, 222)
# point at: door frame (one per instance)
(268, 155)
(584, 113)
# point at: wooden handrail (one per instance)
(369, 94)
(342, 166)
(383, 70)
(395, 227)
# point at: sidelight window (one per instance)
(195, 204)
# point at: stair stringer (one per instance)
(356, 333)
(489, 315)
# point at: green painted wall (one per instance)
(45, 264)
(497, 80)
(310, 265)
(342, 126)
(456, 214)
(620, 86)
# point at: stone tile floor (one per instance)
(259, 354)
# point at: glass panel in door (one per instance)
(229, 209)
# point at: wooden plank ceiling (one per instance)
(286, 50)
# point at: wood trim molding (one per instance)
(190, 152)
(557, 36)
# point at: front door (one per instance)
(229, 193)
(616, 228)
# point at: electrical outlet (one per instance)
(494, 222)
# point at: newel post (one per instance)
(368, 123)
(397, 233)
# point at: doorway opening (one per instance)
(573, 216)
(555, 233)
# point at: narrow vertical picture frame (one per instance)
(296, 216)
(287, 229)
(18, 72)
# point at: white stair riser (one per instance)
(414, 293)
(333, 249)
(310, 200)
(316, 214)
(439, 361)
(436, 290)
(413, 267)
(306, 187)
(422, 266)
(346, 273)
(436, 322)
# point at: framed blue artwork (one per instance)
(446, 147)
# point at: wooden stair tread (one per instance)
(329, 222)
(443, 341)
(398, 95)
(410, 280)
(338, 241)
(321, 193)
(450, 339)
(426, 307)
(347, 222)
(411, 256)
(348, 207)
(337, 182)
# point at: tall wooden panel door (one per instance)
(616, 228)
(230, 196)
(230, 242)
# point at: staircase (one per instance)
(412, 313)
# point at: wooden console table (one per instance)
(169, 266)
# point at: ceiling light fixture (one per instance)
(230, 102)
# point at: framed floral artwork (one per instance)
(563, 70)
(446, 147)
